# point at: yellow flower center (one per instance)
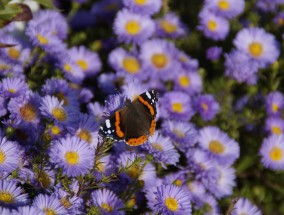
(276, 130)
(204, 106)
(140, 2)
(4, 67)
(182, 59)
(12, 90)
(6, 197)
(82, 64)
(133, 171)
(223, 5)
(256, 49)
(42, 40)
(65, 202)
(179, 133)
(132, 27)
(276, 154)
(100, 166)
(131, 64)
(14, 53)
(168, 27)
(171, 203)
(67, 67)
(2, 157)
(72, 157)
(275, 107)
(59, 114)
(106, 207)
(177, 182)
(85, 135)
(157, 146)
(131, 203)
(55, 130)
(184, 81)
(160, 60)
(280, 21)
(216, 147)
(49, 211)
(212, 25)
(177, 107)
(28, 112)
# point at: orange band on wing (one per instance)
(137, 141)
(119, 133)
(153, 127)
(152, 111)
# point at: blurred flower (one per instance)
(226, 8)
(213, 26)
(107, 202)
(87, 60)
(214, 53)
(206, 106)
(176, 105)
(13, 87)
(272, 152)
(241, 67)
(274, 103)
(132, 27)
(11, 194)
(218, 145)
(210, 205)
(170, 26)
(172, 200)
(148, 7)
(27, 210)
(258, 44)
(186, 61)
(162, 149)
(244, 206)
(274, 125)
(75, 156)
(49, 204)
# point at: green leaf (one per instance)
(46, 3)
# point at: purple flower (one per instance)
(49, 204)
(274, 125)
(207, 106)
(13, 87)
(143, 7)
(213, 53)
(75, 156)
(244, 206)
(274, 103)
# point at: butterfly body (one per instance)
(135, 122)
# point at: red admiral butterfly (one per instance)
(134, 122)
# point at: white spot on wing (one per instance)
(148, 95)
(108, 123)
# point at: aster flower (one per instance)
(6, 211)
(226, 8)
(258, 44)
(107, 202)
(87, 130)
(176, 105)
(213, 53)
(274, 125)
(3, 106)
(96, 109)
(132, 27)
(189, 82)
(87, 60)
(11, 194)
(24, 109)
(158, 59)
(106, 82)
(49, 204)
(13, 87)
(27, 210)
(55, 131)
(213, 26)
(218, 145)
(133, 89)
(162, 149)
(172, 200)
(244, 206)
(186, 61)
(241, 67)
(104, 166)
(52, 108)
(198, 191)
(148, 7)
(125, 63)
(9, 155)
(274, 103)
(210, 205)
(272, 152)
(75, 156)
(170, 26)
(183, 134)
(206, 106)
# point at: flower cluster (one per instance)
(219, 119)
